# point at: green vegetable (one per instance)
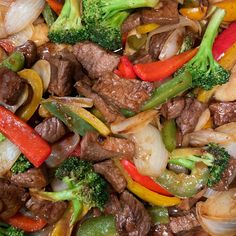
(168, 134)
(187, 44)
(21, 165)
(2, 137)
(14, 62)
(201, 71)
(68, 27)
(49, 15)
(66, 115)
(127, 113)
(8, 230)
(85, 187)
(159, 215)
(214, 156)
(104, 18)
(99, 226)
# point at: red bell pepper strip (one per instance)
(26, 223)
(55, 5)
(26, 138)
(6, 45)
(224, 41)
(125, 68)
(159, 70)
(145, 181)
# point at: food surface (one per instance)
(117, 118)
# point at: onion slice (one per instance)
(203, 119)
(22, 13)
(151, 155)
(133, 124)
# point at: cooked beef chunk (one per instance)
(227, 176)
(183, 223)
(179, 138)
(95, 148)
(190, 115)
(223, 112)
(11, 86)
(61, 82)
(161, 230)
(95, 59)
(196, 231)
(112, 206)
(131, 22)
(141, 56)
(51, 129)
(109, 113)
(128, 94)
(32, 178)
(51, 212)
(166, 14)
(112, 174)
(156, 44)
(29, 49)
(133, 219)
(173, 108)
(12, 198)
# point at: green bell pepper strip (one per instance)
(159, 215)
(168, 134)
(99, 226)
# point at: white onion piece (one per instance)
(58, 185)
(203, 137)
(231, 149)
(218, 214)
(43, 68)
(172, 44)
(209, 192)
(6, 3)
(151, 155)
(22, 36)
(3, 33)
(40, 35)
(183, 21)
(203, 119)
(229, 128)
(8, 155)
(22, 13)
(133, 124)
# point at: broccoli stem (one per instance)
(77, 209)
(169, 90)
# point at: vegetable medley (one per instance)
(117, 117)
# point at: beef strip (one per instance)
(112, 206)
(183, 223)
(61, 82)
(173, 108)
(141, 57)
(223, 112)
(29, 49)
(112, 174)
(95, 59)
(133, 219)
(161, 230)
(51, 212)
(227, 176)
(167, 13)
(51, 129)
(190, 115)
(123, 93)
(12, 198)
(109, 113)
(95, 148)
(131, 22)
(32, 178)
(11, 86)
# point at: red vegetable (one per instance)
(159, 70)
(125, 68)
(6, 45)
(55, 5)
(26, 223)
(26, 138)
(224, 41)
(145, 181)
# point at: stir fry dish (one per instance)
(117, 117)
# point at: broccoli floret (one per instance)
(8, 230)
(103, 19)
(214, 156)
(86, 188)
(68, 27)
(21, 165)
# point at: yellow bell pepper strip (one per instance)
(143, 29)
(230, 7)
(144, 193)
(32, 77)
(195, 13)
